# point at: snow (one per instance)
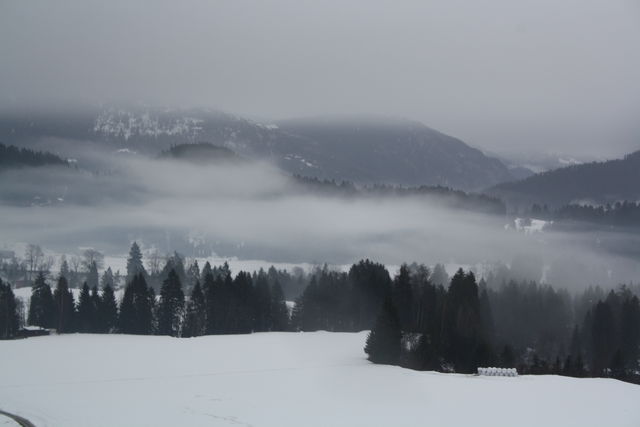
(7, 422)
(126, 124)
(529, 226)
(279, 380)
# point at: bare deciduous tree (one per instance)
(154, 261)
(90, 256)
(33, 257)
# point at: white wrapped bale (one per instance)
(497, 372)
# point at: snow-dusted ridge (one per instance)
(125, 124)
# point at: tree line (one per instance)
(420, 318)
(621, 214)
(12, 156)
(527, 326)
(221, 305)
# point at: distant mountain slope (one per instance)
(395, 151)
(14, 157)
(597, 182)
(362, 150)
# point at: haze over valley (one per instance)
(451, 190)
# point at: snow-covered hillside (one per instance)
(279, 379)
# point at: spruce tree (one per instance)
(107, 310)
(64, 267)
(262, 304)
(86, 317)
(403, 298)
(439, 276)
(134, 262)
(384, 341)
(465, 340)
(602, 338)
(171, 307)
(41, 306)
(64, 317)
(95, 303)
(212, 297)
(370, 283)
(107, 278)
(206, 270)
(9, 321)
(630, 332)
(193, 275)
(195, 317)
(92, 275)
(136, 308)
(279, 310)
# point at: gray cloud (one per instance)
(503, 75)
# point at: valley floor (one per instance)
(278, 379)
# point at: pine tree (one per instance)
(212, 297)
(193, 275)
(107, 278)
(64, 317)
(136, 308)
(439, 276)
(107, 310)
(134, 263)
(262, 304)
(171, 306)
(9, 321)
(465, 341)
(64, 267)
(507, 357)
(617, 366)
(630, 332)
(240, 318)
(370, 284)
(195, 317)
(95, 303)
(206, 270)
(602, 338)
(403, 298)
(41, 306)
(92, 275)
(279, 310)
(384, 340)
(86, 317)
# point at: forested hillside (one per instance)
(14, 157)
(597, 182)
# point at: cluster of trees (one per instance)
(222, 305)
(597, 181)
(447, 196)
(528, 326)
(12, 156)
(94, 311)
(420, 318)
(9, 316)
(621, 214)
(77, 269)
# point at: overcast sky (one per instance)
(503, 75)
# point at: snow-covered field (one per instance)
(7, 422)
(279, 379)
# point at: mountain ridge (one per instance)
(594, 183)
(362, 149)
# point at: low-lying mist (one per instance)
(252, 210)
